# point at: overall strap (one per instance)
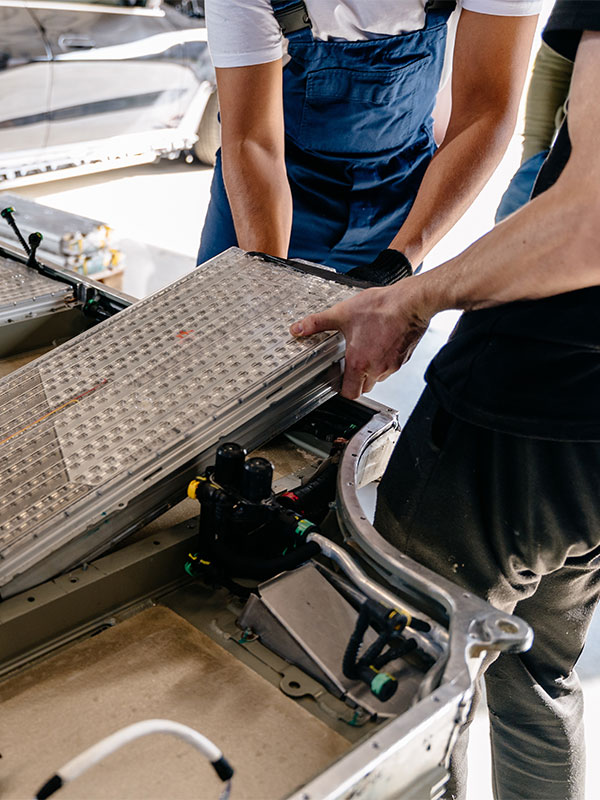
(291, 15)
(440, 5)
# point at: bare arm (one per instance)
(550, 246)
(252, 134)
(490, 63)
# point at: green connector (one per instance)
(384, 685)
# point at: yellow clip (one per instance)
(193, 486)
(407, 615)
(404, 613)
(206, 563)
(191, 490)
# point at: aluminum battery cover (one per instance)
(88, 427)
(26, 293)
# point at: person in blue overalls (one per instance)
(330, 158)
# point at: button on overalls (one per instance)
(358, 139)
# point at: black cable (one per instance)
(350, 660)
(393, 653)
(261, 568)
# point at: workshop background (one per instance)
(163, 205)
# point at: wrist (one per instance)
(413, 249)
(424, 294)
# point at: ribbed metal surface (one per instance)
(24, 292)
(89, 426)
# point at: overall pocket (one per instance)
(348, 111)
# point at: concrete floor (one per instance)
(164, 205)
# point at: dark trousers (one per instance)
(516, 521)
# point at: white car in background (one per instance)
(87, 86)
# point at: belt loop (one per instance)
(292, 17)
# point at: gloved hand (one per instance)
(389, 266)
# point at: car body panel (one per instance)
(120, 83)
(24, 81)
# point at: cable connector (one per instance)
(35, 240)
(8, 214)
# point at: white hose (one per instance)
(81, 763)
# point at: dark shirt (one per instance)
(532, 368)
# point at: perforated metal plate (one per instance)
(26, 293)
(89, 427)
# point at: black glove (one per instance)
(389, 266)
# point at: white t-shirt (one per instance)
(245, 32)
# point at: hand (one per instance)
(382, 327)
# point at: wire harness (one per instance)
(90, 757)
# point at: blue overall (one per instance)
(359, 138)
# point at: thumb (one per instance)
(315, 323)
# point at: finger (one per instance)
(352, 387)
(315, 323)
(369, 384)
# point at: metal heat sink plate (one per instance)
(26, 293)
(89, 427)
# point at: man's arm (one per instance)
(550, 246)
(491, 55)
(252, 147)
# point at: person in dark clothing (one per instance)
(494, 481)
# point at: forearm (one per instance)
(457, 173)
(259, 196)
(547, 93)
(548, 247)
(489, 68)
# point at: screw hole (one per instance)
(156, 541)
(31, 599)
(294, 685)
(73, 580)
(507, 626)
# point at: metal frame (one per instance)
(411, 748)
(83, 286)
